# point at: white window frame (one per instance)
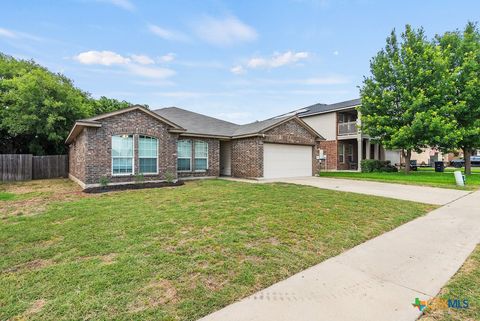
(195, 157)
(191, 156)
(342, 153)
(158, 150)
(133, 156)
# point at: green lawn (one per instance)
(170, 253)
(426, 178)
(449, 169)
(463, 286)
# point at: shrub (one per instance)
(104, 181)
(139, 178)
(373, 165)
(169, 177)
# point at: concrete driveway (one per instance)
(423, 194)
(379, 279)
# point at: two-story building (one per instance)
(345, 146)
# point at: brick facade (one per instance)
(98, 158)
(76, 156)
(91, 151)
(247, 153)
(330, 149)
(213, 158)
(247, 157)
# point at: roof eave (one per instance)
(78, 127)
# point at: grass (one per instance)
(171, 253)
(475, 170)
(6, 196)
(463, 286)
(424, 178)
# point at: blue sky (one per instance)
(236, 60)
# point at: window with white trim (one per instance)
(147, 155)
(341, 153)
(122, 155)
(201, 155)
(184, 155)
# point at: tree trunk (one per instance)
(467, 152)
(407, 155)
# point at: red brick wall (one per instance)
(213, 158)
(290, 132)
(99, 143)
(76, 156)
(247, 153)
(330, 150)
(247, 157)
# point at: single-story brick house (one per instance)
(121, 145)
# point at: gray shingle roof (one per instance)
(324, 108)
(196, 123)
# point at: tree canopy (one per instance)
(461, 49)
(404, 98)
(39, 107)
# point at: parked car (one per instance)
(458, 163)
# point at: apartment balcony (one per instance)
(347, 128)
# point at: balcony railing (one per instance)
(347, 128)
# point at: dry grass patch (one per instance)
(33, 197)
(155, 293)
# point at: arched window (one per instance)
(147, 155)
(122, 155)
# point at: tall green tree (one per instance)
(403, 100)
(38, 107)
(461, 50)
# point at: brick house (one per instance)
(345, 146)
(173, 142)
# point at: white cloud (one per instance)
(142, 59)
(12, 34)
(167, 34)
(336, 53)
(167, 58)
(275, 61)
(135, 64)
(238, 70)
(105, 58)
(124, 4)
(151, 72)
(224, 31)
(7, 33)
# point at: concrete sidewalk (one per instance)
(422, 194)
(377, 280)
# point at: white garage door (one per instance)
(282, 160)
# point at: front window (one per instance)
(147, 154)
(122, 155)
(341, 153)
(184, 158)
(201, 156)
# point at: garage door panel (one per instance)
(283, 160)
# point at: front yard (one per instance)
(171, 253)
(421, 177)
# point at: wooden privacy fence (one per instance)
(23, 167)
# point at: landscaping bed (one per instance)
(172, 253)
(124, 187)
